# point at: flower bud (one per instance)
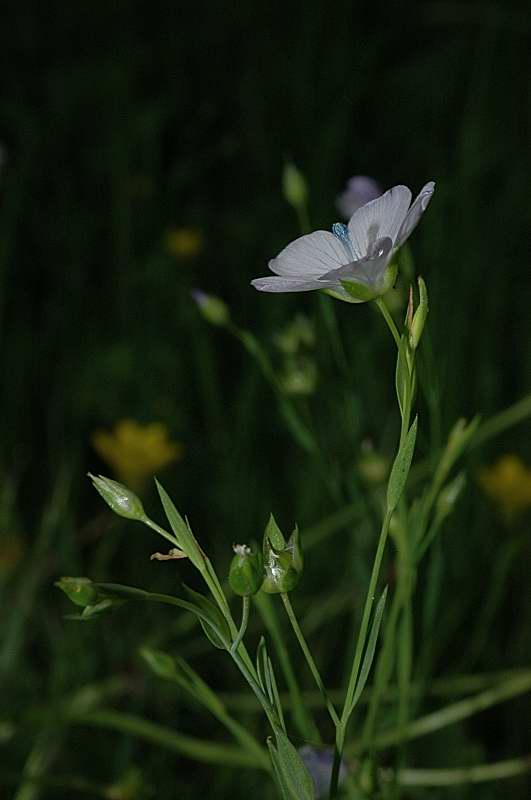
(212, 308)
(283, 567)
(294, 186)
(246, 572)
(416, 325)
(119, 498)
(80, 591)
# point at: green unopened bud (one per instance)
(212, 308)
(283, 568)
(246, 572)
(416, 325)
(294, 186)
(80, 591)
(119, 498)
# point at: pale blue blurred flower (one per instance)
(319, 763)
(360, 190)
(356, 255)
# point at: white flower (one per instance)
(352, 262)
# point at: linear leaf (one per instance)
(401, 467)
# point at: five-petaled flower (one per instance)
(353, 262)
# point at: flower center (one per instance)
(341, 231)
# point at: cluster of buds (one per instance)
(276, 569)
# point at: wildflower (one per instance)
(136, 451)
(183, 242)
(360, 190)
(508, 484)
(352, 262)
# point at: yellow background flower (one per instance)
(508, 484)
(183, 242)
(135, 452)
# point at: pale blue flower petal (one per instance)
(378, 219)
(415, 212)
(280, 284)
(368, 270)
(310, 256)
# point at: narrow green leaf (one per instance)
(280, 782)
(370, 650)
(261, 669)
(212, 622)
(292, 769)
(176, 670)
(162, 664)
(273, 690)
(401, 467)
(183, 533)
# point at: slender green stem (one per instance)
(360, 645)
(196, 749)
(501, 422)
(341, 729)
(246, 604)
(302, 716)
(454, 777)
(388, 318)
(383, 668)
(153, 525)
(454, 712)
(262, 699)
(309, 658)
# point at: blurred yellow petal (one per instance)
(183, 242)
(508, 484)
(134, 451)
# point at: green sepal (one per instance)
(274, 534)
(362, 293)
(282, 567)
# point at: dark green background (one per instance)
(122, 119)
